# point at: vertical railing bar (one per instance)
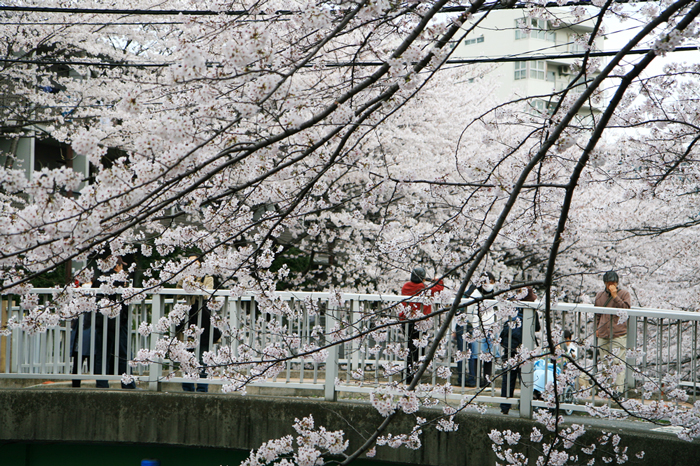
(527, 367)
(79, 352)
(304, 339)
(263, 334)
(377, 362)
(57, 339)
(38, 363)
(234, 323)
(596, 356)
(679, 342)
(43, 350)
(253, 323)
(234, 319)
(693, 361)
(29, 353)
(9, 339)
(5, 309)
(141, 340)
(645, 337)
(154, 368)
(50, 357)
(361, 354)
(668, 351)
(433, 372)
(407, 336)
(350, 348)
(288, 364)
(629, 381)
(66, 345)
(210, 298)
(129, 331)
(105, 332)
(509, 375)
(332, 361)
(22, 353)
(199, 303)
(492, 349)
(117, 338)
(308, 332)
(659, 349)
(91, 355)
(18, 336)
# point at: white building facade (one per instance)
(542, 43)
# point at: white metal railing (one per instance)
(667, 338)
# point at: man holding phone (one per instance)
(611, 333)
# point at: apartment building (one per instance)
(516, 34)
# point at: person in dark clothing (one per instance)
(511, 339)
(118, 338)
(199, 315)
(416, 287)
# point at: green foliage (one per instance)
(298, 263)
(57, 276)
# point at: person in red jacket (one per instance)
(416, 287)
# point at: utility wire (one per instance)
(497, 5)
(454, 61)
(85, 63)
(66, 23)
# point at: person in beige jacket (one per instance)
(611, 333)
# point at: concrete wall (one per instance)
(230, 421)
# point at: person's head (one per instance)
(120, 264)
(610, 277)
(531, 296)
(567, 335)
(488, 280)
(418, 274)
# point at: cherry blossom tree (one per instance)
(242, 129)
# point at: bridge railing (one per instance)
(369, 354)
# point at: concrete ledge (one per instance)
(244, 422)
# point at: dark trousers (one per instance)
(123, 357)
(508, 380)
(468, 378)
(201, 387)
(413, 351)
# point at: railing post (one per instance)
(526, 377)
(354, 345)
(155, 368)
(332, 360)
(630, 381)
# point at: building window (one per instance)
(540, 107)
(576, 45)
(476, 40)
(537, 105)
(537, 69)
(534, 27)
